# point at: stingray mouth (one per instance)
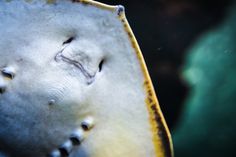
(74, 53)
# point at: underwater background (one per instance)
(190, 50)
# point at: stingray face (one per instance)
(47, 69)
(65, 66)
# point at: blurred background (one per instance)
(189, 47)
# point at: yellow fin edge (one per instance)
(161, 133)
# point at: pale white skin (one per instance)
(31, 37)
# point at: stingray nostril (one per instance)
(69, 40)
(100, 66)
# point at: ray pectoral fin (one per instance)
(102, 51)
(161, 135)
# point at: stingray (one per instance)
(74, 83)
